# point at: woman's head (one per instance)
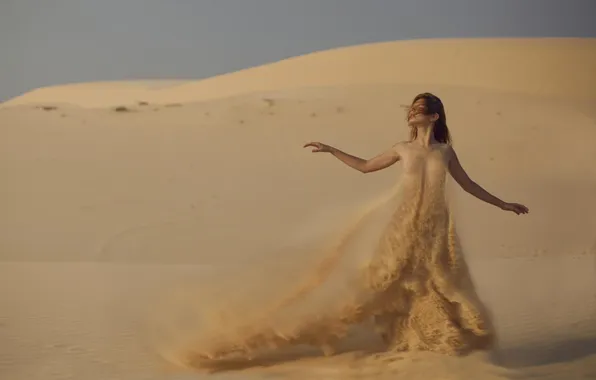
(428, 110)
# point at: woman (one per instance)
(399, 264)
(426, 157)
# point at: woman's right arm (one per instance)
(382, 161)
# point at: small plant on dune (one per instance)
(48, 108)
(143, 103)
(122, 109)
(269, 102)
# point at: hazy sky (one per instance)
(47, 42)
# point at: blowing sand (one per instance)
(136, 213)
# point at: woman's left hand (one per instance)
(516, 208)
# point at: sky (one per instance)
(51, 42)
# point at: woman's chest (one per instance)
(420, 159)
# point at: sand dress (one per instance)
(398, 265)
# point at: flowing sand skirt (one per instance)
(426, 298)
(400, 264)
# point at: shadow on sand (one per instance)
(541, 354)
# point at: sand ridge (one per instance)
(538, 66)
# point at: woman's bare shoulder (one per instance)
(401, 144)
(400, 147)
(448, 152)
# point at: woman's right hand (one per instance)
(319, 147)
(515, 207)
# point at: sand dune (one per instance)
(107, 211)
(532, 66)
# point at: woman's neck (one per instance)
(425, 136)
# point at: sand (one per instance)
(109, 210)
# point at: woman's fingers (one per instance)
(316, 145)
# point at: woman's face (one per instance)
(417, 114)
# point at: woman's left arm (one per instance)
(461, 177)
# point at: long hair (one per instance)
(432, 105)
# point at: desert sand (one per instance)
(125, 202)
